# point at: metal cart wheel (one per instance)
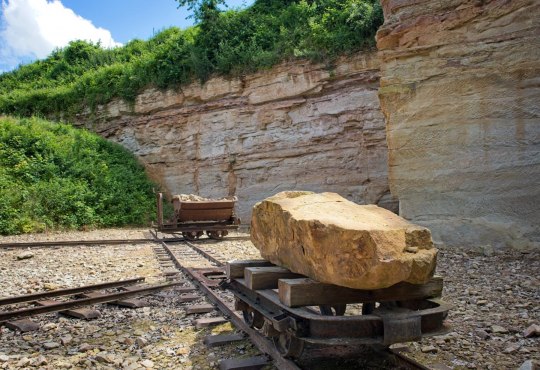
(192, 235)
(216, 234)
(253, 318)
(333, 310)
(288, 345)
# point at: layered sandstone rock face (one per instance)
(460, 89)
(333, 240)
(296, 126)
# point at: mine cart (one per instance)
(295, 311)
(194, 218)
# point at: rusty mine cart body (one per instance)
(194, 218)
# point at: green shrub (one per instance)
(231, 42)
(53, 176)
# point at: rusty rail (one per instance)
(61, 306)
(68, 243)
(69, 291)
(204, 254)
(263, 344)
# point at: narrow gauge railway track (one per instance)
(37, 303)
(203, 269)
(68, 243)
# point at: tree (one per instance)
(203, 10)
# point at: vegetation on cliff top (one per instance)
(228, 42)
(53, 176)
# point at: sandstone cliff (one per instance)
(295, 126)
(460, 90)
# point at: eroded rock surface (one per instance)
(460, 89)
(295, 126)
(333, 240)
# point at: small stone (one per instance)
(103, 358)
(128, 341)
(25, 361)
(50, 286)
(51, 345)
(411, 249)
(481, 302)
(487, 250)
(49, 326)
(482, 334)
(529, 365)
(148, 364)
(39, 361)
(141, 342)
(4, 358)
(511, 348)
(182, 351)
(25, 255)
(499, 329)
(85, 347)
(532, 331)
(400, 347)
(66, 340)
(429, 349)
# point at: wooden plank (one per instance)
(267, 277)
(235, 269)
(184, 298)
(251, 363)
(200, 308)
(212, 321)
(222, 339)
(307, 292)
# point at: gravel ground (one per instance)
(495, 298)
(159, 336)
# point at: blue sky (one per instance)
(129, 19)
(31, 29)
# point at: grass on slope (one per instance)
(53, 176)
(229, 42)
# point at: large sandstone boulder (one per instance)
(333, 240)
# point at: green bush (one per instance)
(231, 42)
(53, 176)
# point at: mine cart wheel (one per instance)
(217, 234)
(253, 318)
(192, 235)
(333, 310)
(288, 345)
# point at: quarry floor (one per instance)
(495, 296)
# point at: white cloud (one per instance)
(33, 28)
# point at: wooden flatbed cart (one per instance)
(193, 218)
(294, 310)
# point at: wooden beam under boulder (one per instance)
(258, 278)
(307, 292)
(235, 269)
(335, 241)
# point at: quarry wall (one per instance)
(293, 127)
(460, 91)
